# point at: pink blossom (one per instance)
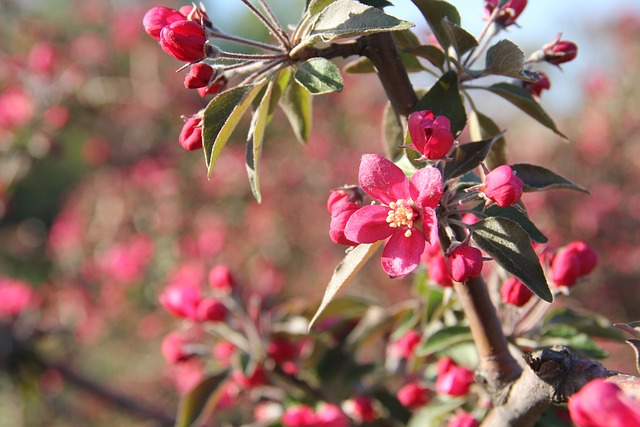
(159, 17)
(463, 419)
(514, 292)
(573, 261)
(438, 271)
(405, 346)
(221, 278)
(431, 136)
(15, 297)
(465, 262)
(181, 300)
(300, 416)
(502, 186)
(16, 108)
(603, 404)
(191, 135)
(173, 348)
(211, 310)
(508, 13)
(536, 88)
(42, 58)
(184, 40)
(254, 379)
(560, 51)
(329, 415)
(199, 75)
(454, 380)
(340, 215)
(413, 395)
(360, 408)
(406, 216)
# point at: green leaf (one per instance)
(376, 3)
(591, 324)
(460, 39)
(254, 141)
(482, 127)
(431, 53)
(392, 133)
(350, 18)
(569, 336)
(435, 412)
(200, 402)
(375, 323)
(390, 402)
(519, 97)
(443, 339)
(296, 104)
(317, 6)
(468, 157)
(509, 245)
(635, 345)
(520, 218)
(506, 59)
(435, 11)
(281, 83)
(222, 116)
(444, 100)
(537, 178)
(319, 76)
(344, 272)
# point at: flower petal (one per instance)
(426, 187)
(401, 254)
(368, 225)
(430, 225)
(382, 180)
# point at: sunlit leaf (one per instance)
(506, 59)
(444, 338)
(296, 104)
(444, 100)
(468, 156)
(510, 246)
(255, 139)
(459, 38)
(569, 336)
(521, 219)
(538, 178)
(319, 76)
(344, 272)
(222, 116)
(435, 12)
(200, 402)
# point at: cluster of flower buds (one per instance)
(463, 419)
(514, 292)
(414, 395)
(327, 415)
(453, 380)
(506, 14)
(571, 263)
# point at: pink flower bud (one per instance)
(299, 416)
(159, 17)
(560, 51)
(514, 292)
(443, 365)
(431, 136)
(455, 381)
(413, 395)
(211, 310)
(339, 218)
(405, 346)
(199, 75)
(573, 261)
(360, 408)
(508, 13)
(181, 301)
(603, 404)
(587, 257)
(257, 378)
(329, 415)
(465, 262)
(223, 351)
(184, 40)
(439, 271)
(336, 199)
(536, 88)
(213, 89)
(15, 297)
(191, 135)
(173, 348)
(221, 279)
(282, 350)
(502, 186)
(463, 419)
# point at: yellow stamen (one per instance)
(401, 215)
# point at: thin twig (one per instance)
(272, 29)
(242, 40)
(275, 22)
(252, 56)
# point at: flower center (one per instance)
(401, 215)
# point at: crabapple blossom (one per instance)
(211, 310)
(406, 215)
(360, 408)
(191, 135)
(439, 271)
(430, 135)
(329, 415)
(159, 17)
(453, 380)
(405, 346)
(184, 40)
(413, 395)
(508, 13)
(173, 348)
(514, 292)
(199, 75)
(221, 278)
(560, 51)
(536, 88)
(15, 297)
(603, 404)
(339, 218)
(463, 419)
(465, 262)
(502, 186)
(300, 416)
(181, 300)
(573, 261)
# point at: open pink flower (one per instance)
(430, 135)
(601, 403)
(406, 216)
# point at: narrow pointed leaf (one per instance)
(482, 127)
(435, 11)
(519, 97)
(509, 245)
(443, 339)
(319, 76)
(460, 39)
(468, 157)
(635, 345)
(254, 141)
(344, 272)
(222, 116)
(444, 100)
(281, 82)
(521, 219)
(296, 104)
(506, 59)
(350, 18)
(200, 402)
(537, 178)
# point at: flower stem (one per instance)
(252, 57)
(284, 41)
(276, 23)
(242, 40)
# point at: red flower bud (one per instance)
(587, 257)
(184, 40)
(603, 404)
(339, 218)
(336, 199)
(172, 348)
(405, 346)
(159, 17)
(329, 415)
(463, 419)
(431, 136)
(455, 381)
(215, 88)
(360, 408)
(536, 88)
(221, 279)
(282, 350)
(199, 75)
(191, 135)
(572, 262)
(502, 186)
(413, 395)
(15, 297)
(443, 365)
(508, 13)
(299, 416)
(181, 300)
(439, 271)
(211, 310)
(514, 292)
(560, 51)
(257, 378)
(465, 262)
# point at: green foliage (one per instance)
(296, 105)
(467, 157)
(538, 178)
(520, 218)
(444, 99)
(319, 76)
(199, 404)
(436, 12)
(482, 127)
